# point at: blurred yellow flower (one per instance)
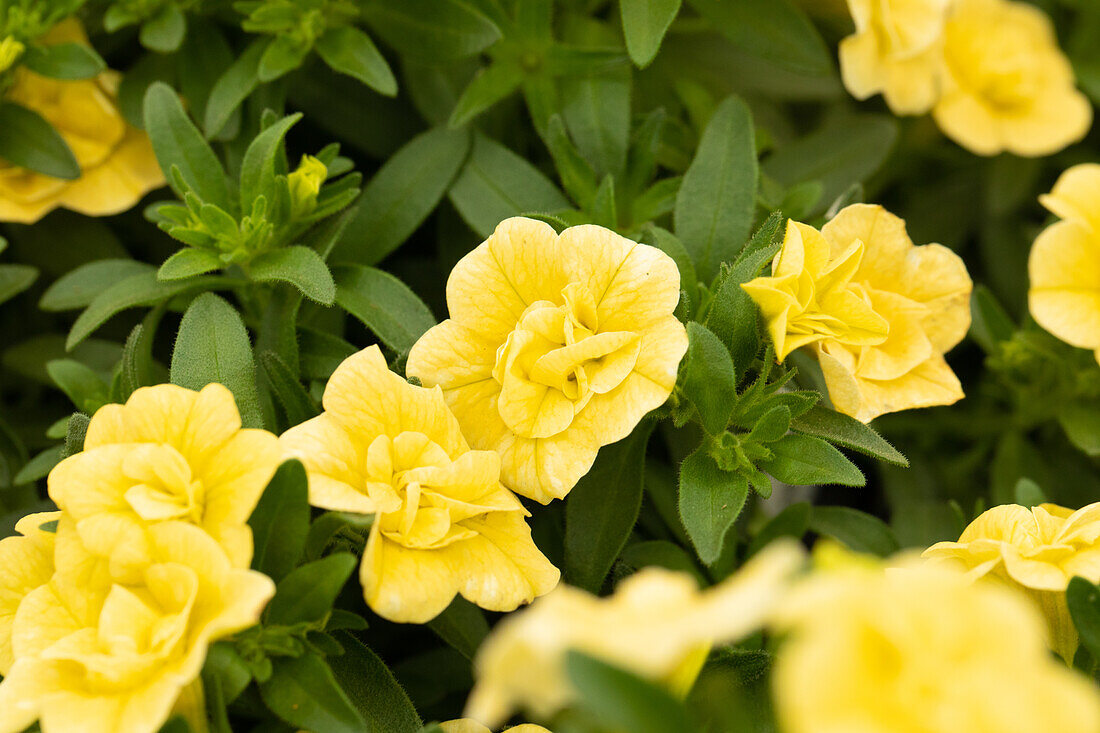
(1007, 84)
(169, 453)
(878, 312)
(466, 725)
(26, 563)
(556, 346)
(117, 162)
(443, 523)
(10, 51)
(809, 296)
(1037, 551)
(897, 50)
(657, 625)
(920, 649)
(1064, 265)
(118, 658)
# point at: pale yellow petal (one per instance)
(967, 121)
(1059, 117)
(937, 277)
(119, 182)
(451, 355)
(860, 66)
(1076, 195)
(235, 477)
(885, 241)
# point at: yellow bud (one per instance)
(305, 184)
(10, 51)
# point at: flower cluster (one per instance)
(110, 604)
(990, 71)
(877, 312)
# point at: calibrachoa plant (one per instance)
(656, 366)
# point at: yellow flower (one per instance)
(920, 649)
(117, 658)
(556, 346)
(465, 725)
(169, 453)
(1035, 550)
(810, 297)
(443, 522)
(10, 51)
(305, 184)
(1007, 84)
(26, 561)
(657, 625)
(117, 162)
(897, 50)
(1064, 266)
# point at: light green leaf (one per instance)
(283, 55)
(189, 262)
(385, 305)
(80, 383)
(77, 288)
(69, 61)
(596, 110)
(301, 267)
(644, 25)
(304, 693)
(805, 460)
(258, 166)
(843, 430)
(709, 380)
(165, 31)
(621, 701)
(14, 279)
(350, 51)
(234, 86)
(710, 500)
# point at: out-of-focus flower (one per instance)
(556, 346)
(919, 648)
(897, 50)
(117, 163)
(118, 658)
(1064, 265)
(168, 454)
(465, 725)
(10, 51)
(443, 523)
(1036, 550)
(26, 563)
(658, 625)
(809, 296)
(1008, 86)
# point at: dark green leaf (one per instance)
(433, 30)
(81, 384)
(384, 304)
(301, 267)
(709, 380)
(805, 460)
(165, 31)
(296, 402)
(350, 51)
(714, 207)
(644, 26)
(576, 174)
(843, 430)
(858, 530)
(596, 110)
(1083, 599)
(667, 242)
(238, 81)
(775, 30)
(280, 521)
(602, 508)
(622, 701)
(213, 346)
(307, 593)
(304, 693)
(791, 522)
(492, 84)
(31, 142)
(990, 325)
(372, 689)
(39, 466)
(258, 167)
(710, 500)
(68, 61)
(75, 434)
(462, 625)
(14, 279)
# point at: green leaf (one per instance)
(804, 460)
(283, 55)
(296, 402)
(76, 432)
(710, 500)
(661, 554)
(602, 508)
(304, 693)
(402, 193)
(233, 87)
(165, 31)
(80, 383)
(280, 521)
(385, 305)
(350, 51)
(301, 267)
(491, 84)
(431, 30)
(178, 143)
(495, 184)
(667, 242)
(136, 363)
(139, 289)
(1083, 599)
(39, 466)
(225, 664)
(576, 174)
(69, 61)
(843, 430)
(791, 522)
(31, 142)
(990, 324)
(621, 701)
(644, 25)
(14, 279)
(858, 530)
(714, 208)
(189, 262)
(844, 151)
(709, 379)
(372, 689)
(258, 167)
(775, 30)
(1081, 421)
(604, 210)
(1028, 493)
(462, 625)
(213, 346)
(307, 593)
(596, 109)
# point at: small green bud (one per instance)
(304, 184)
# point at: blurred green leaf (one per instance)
(433, 30)
(67, 61)
(776, 30)
(858, 530)
(644, 25)
(622, 701)
(165, 31)
(350, 51)
(32, 142)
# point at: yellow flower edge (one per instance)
(1008, 85)
(657, 624)
(466, 725)
(862, 641)
(896, 50)
(556, 345)
(444, 524)
(27, 562)
(117, 163)
(1064, 263)
(169, 453)
(101, 657)
(1037, 550)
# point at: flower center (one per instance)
(163, 487)
(422, 494)
(556, 360)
